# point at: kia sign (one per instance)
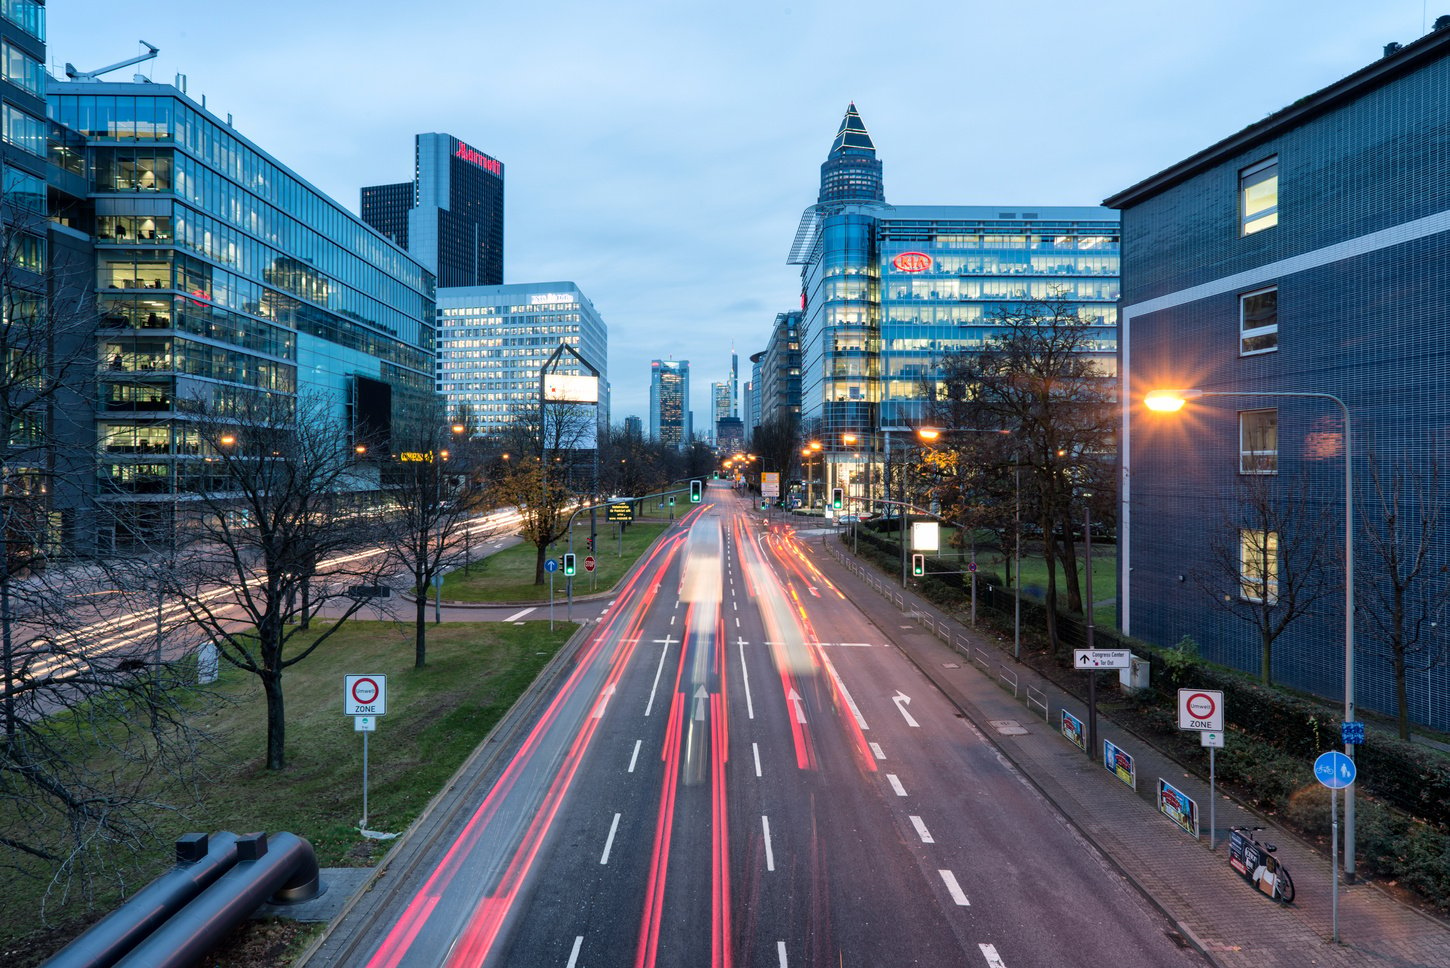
(364, 695)
(912, 262)
(1200, 709)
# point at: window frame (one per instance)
(1257, 548)
(1251, 461)
(1257, 332)
(1250, 177)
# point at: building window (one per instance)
(1259, 196)
(1259, 442)
(1259, 321)
(1259, 566)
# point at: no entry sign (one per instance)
(364, 695)
(1200, 709)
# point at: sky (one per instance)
(659, 154)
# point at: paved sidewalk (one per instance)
(1220, 912)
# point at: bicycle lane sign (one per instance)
(1335, 770)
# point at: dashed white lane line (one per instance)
(672, 619)
(769, 854)
(876, 751)
(635, 755)
(780, 953)
(609, 841)
(755, 748)
(994, 960)
(845, 693)
(666, 642)
(896, 784)
(518, 615)
(574, 955)
(745, 677)
(954, 889)
(737, 621)
(921, 830)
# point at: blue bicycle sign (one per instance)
(1334, 770)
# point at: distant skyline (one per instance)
(659, 155)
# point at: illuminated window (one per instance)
(1259, 196)
(1259, 321)
(1259, 442)
(1259, 566)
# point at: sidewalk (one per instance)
(1222, 914)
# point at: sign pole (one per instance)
(364, 824)
(1212, 801)
(1334, 860)
(551, 600)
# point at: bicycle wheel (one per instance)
(1285, 885)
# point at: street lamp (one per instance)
(1171, 401)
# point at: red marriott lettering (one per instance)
(475, 157)
(912, 262)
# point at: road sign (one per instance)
(620, 511)
(364, 724)
(1334, 770)
(589, 563)
(1351, 733)
(1200, 709)
(1101, 658)
(551, 565)
(364, 695)
(770, 484)
(1209, 737)
(971, 566)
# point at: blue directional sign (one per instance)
(551, 565)
(1351, 733)
(1334, 770)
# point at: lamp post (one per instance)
(1171, 401)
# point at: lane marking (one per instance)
(518, 615)
(921, 830)
(845, 693)
(604, 698)
(745, 675)
(672, 619)
(609, 841)
(993, 959)
(902, 700)
(769, 854)
(955, 889)
(800, 709)
(635, 755)
(574, 955)
(780, 953)
(876, 751)
(658, 669)
(737, 621)
(756, 748)
(896, 784)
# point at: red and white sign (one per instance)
(1200, 709)
(589, 563)
(912, 262)
(364, 695)
(475, 157)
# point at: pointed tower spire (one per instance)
(851, 172)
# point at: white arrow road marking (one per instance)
(902, 700)
(603, 701)
(993, 959)
(800, 713)
(609, 841)
(921, 830)
(745, 676)
(954, 889)
(769, 854)
(896, 784)
(702, 698)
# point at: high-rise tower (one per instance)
(851, 172)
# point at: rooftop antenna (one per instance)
(75, 75)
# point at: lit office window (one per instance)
(1259, 196)
(1259, 442)
(1259, 321)
(1259, 566)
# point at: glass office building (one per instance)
(669, 402)
(888, 290)
(495, 340)
(220, 273)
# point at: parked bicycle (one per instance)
(1255, 860)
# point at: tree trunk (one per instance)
(539, 559)
(1069, 570)
(276, 717)
(305, 621)
(1049, 555)
(6, 635)
(420, 627)
(1266, 658)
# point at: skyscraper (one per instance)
(720, 407)
(669, 401)
(450, 217)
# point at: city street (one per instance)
(739, 768)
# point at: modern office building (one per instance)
(729, 435)
(450, 216)
(1304, 256)
(493, 343)
(634, 427)
(669, 402)
(749, 408)
(220, 274)
(720, 406)
(777, 372)
(889, 289)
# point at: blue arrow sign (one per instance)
(551, 565)
(1334, 770)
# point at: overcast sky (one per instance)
(659, 154)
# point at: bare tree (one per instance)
(1405, 594)
(284, 515)
(1272, 560)
(778, 444)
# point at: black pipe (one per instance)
(283, 868)
(199, 862)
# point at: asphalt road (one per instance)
(739, 769)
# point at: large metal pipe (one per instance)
(200, 861)
(282, 868)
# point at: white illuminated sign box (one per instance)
(567, 388)
(925, 536)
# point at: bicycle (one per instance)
(1254, 860)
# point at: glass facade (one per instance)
(669, 402)
(220, 273)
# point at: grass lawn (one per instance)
(508, 575)
(436, 716)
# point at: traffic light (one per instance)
(764, 504)
(918, 566)
(589, 543)
(837, 498)
(569, 564)
(696, 487)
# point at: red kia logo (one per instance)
(912, 262)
